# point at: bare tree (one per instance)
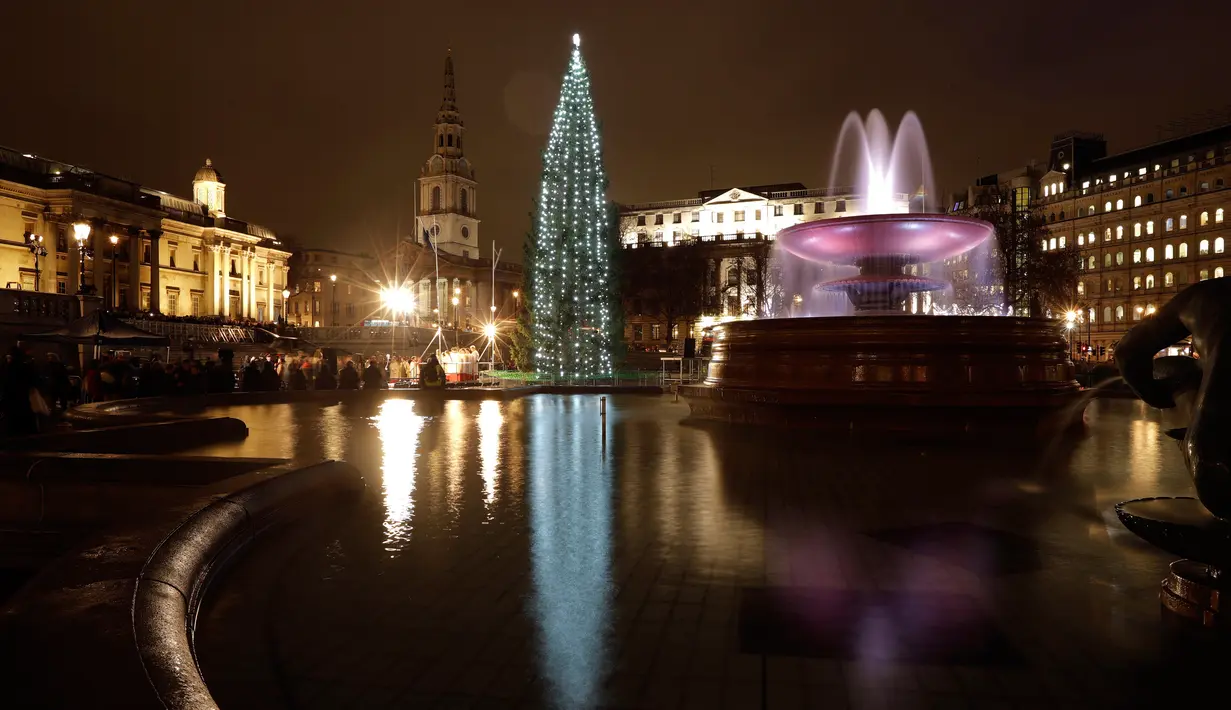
(1035, 276)
(668, 284)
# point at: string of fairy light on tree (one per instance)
(573, 294)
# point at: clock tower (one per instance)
(447, 189)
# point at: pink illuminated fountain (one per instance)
(883, 372)
(888, 239)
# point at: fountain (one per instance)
(882, 369)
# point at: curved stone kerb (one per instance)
(179, 571)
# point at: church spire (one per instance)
(448, 106)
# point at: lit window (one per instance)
(1137, 312)
(1107, 260)
(1107, 234)
(1136, 283)
(1091, 315)
(1170, 224)
(1119, 231)
(1110, 286)
(1149, 281)
(1218, 215)
(1137, 201)
(1111, 178)
(1044, 245)
(1150, 255)
(1168, 252)
(739, 215)
(1081, 288)
(1091, 263)
(1090, 238)
(1219, 245)
(1218, 272)
(1136, 256)
(1119, 204)
(1169, 193)
(1107, 313)
(1085, 185)
(1081, 240)
(1091, 209)
(1107, 206)
(1183, 221)
(1137, 229)
(1183, 250)
(1204, 247)
(1205, 274)
(1119, 313)
(1141, 171)
(1061, 186)
(1062, 242)
(1053, 242)
(1150, 227)
(1045, 191)
(1168, 279)
(1119, 258)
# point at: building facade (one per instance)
(1147, 223)
(67, 229)
(332, 288)
(734, 229)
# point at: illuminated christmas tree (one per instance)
(574, 301)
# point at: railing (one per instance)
(38, 307)
(816, 192)
(650, 243)
(662, 205)
(197, 332)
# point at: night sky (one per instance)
(319, 114)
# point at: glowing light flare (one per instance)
(398, 427)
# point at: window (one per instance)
(1119, 313)
(196, 260)
(1168, 279)
(1107, 206)
(777, 210)
(1091, 211)
(1062, 242)
(718, 217)
(173, 301)
(840, 206)
(1107, 313)
(1170, 224)
(1149, 281)
(1081, 288)
(1150, 255)
(61, 284)
(1119, 204)
(1183, 221)
(436, 198)
(1149, 197)
(799, 208)
(1204, 247)
(758, 216)
(1107, 234)
(145, 299)
(1169, 193)
(1137, 201)
(739, 216)
(464, 201)
(171, 257)
(1091, 266)
(1205, 274)
(1090, 238)
(1119, 231)
(1218, 272)
(1183, 190)
(1218, 215)
(733, 276)
(638, 332)
(696, 216)
(1136, 256)
(1044, 246)
(1218, 184)
(1107, 260)
(1219, 245)
(818, 208)
(1137, 229)
(465, 232)
(196, 304)
(1183, 250)
(1110, 286)
(1081, 240)
(1168, 252)
(145, 256)
(640, 220)
(677, 218)
(1150, 227)
(1053, 242)
(656, 331)
(1136, 283)
(1137, 312)
(1062, 215)
(1119, 258)
(1205, 219)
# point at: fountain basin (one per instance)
(918, 376)
(916, 238)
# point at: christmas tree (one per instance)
(571, 282)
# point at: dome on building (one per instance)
(207, 173)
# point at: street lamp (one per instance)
(34, 242)
(81, 232)
(115, 243)
(333, 278)
(286, 294)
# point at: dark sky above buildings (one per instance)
(319, 114)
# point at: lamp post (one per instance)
(1070, 322)
(81, 232)
(333, 278)
(286, 294)
(34, 242)
(115, 247)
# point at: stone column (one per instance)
(252, 284)
(269, 299)
(155, 257)
(135, 237)
(209, 257)
(225, 279)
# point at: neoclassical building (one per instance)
(67, 229)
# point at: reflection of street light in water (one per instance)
(399, 427)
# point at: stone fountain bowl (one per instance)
(926, 375)
(918, 237)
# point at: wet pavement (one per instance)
(509, 557)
